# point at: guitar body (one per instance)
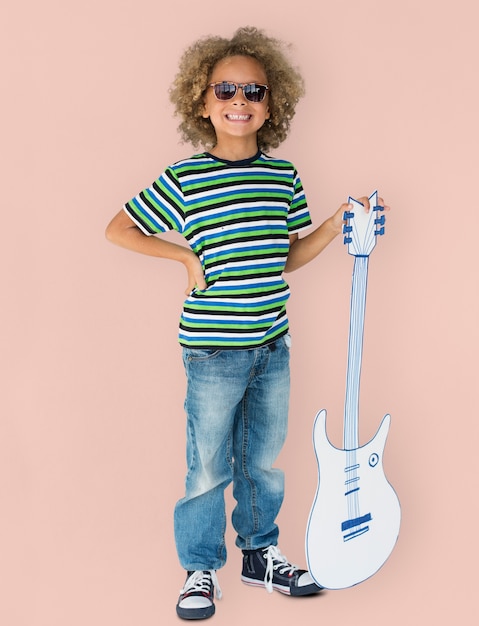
(355, 518)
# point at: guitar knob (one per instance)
(373, 459)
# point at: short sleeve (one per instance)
(160, 207)
(298, 215)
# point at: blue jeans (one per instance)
(237, 413)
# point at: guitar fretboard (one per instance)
(355, 349)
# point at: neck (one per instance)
(235, 151)
(355, 350)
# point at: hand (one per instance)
(337, 219)
(196, 277)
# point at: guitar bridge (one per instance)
(353, 523)
(356, 533)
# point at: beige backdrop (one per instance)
(92, 424)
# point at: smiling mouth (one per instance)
(236, 117)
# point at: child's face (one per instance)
(237, 118)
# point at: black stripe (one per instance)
(217, 313)
(277, 237)
(282, 184)
(268, 291)
(238, 221)
(245, 201)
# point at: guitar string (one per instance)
(351, 434)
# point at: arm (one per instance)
(304, 250)
(123, 232)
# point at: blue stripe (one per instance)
(262, 192)
(234, 269)
(239, 212)
(271, 227)
(235, 323)
(143, 213)
(219, 304)
(234, 251)
(266, 175)
(241, 287)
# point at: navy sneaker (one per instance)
(269, 568)
(196, 597)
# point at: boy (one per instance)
(241, 213)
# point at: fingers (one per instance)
(364, 200)
(381, 203)
(195, 282)
(339, 218)
(196, 277)
(192, 286)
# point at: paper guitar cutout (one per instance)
(354, 521)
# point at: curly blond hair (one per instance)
(196, 66)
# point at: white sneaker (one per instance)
(196, 597)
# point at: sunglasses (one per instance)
(251, 91)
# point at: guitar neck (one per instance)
(355, 350)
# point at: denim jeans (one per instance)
(237, 413)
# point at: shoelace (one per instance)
(200, 582)
(276, 561)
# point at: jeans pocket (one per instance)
(199, 354)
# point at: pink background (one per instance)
(92, 424)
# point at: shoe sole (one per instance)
(287, 591)
(195, 613)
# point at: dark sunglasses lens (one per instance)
(225, 91)
(254, 93)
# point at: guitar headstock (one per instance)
(361, 228)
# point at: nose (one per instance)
(239, 99)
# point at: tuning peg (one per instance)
(378, 208)
(380, 220)
(348, 215)
(347, 229)
(348, 240)
(380, 231)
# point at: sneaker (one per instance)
(269, 568)
(196, 597)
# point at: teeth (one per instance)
(238, 117)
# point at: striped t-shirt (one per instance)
(237, 217)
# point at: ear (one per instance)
(205, 113)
